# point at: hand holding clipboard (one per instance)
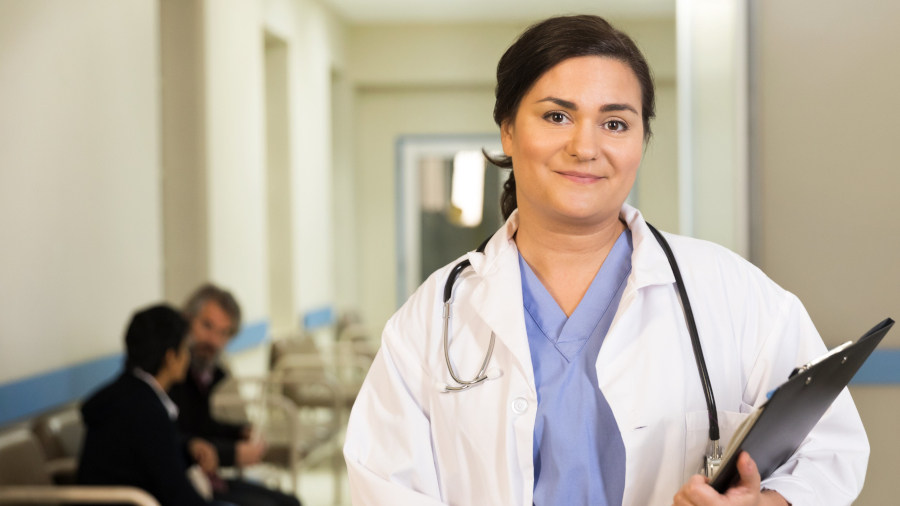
(776, 429)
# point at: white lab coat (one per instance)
(408, 444)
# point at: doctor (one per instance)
(594, 395)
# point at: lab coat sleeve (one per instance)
(830, 466)
(388, 447)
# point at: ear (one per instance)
(170, 360)
(506, 136)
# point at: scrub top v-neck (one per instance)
(579, 456)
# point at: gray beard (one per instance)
(202, 365)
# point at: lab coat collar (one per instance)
(498, 299)
(649, 263)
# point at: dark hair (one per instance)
(212, 293)
(151, 333)
(543, 46)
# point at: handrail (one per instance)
(75, 495)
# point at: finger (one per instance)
(750, 479)
(698, 491)
(681, 499)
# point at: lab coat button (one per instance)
(519, 405)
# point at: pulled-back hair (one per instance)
(543, 46)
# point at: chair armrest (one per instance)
(76, 495)
(61, 466)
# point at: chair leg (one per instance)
(336, 470)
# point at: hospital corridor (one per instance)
(334, 252)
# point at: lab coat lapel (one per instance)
(627, 373)
(649, 266)
(498, 298)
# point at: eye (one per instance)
(556, 117)
(616, 125)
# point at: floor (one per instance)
(317, 484)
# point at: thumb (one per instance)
(749, 473)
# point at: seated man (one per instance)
(132, 438)
(214, 317)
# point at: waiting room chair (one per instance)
(25, 478)
(291, 432)
(61, 434)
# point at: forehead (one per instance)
(589, 80)
(213, 311)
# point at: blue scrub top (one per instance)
(579, 456)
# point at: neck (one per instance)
(165, 382)
(566, 255)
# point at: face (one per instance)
(210, 332)
(177, 363)
(576, 140)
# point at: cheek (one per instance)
(626, 157)
(532, 144)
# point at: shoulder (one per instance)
(414, 321)
(730, 290)
(708, 263)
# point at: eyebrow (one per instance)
(617, 107)
(606, 108)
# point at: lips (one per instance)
(580, 177)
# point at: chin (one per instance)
(581, 209)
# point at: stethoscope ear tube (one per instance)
(483, 373)
(695, 337)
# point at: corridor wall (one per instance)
(80, 213)
(828, 113)
(133, 168)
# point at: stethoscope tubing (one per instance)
(695, 336)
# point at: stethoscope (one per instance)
(714, 451)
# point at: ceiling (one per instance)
(393, 11)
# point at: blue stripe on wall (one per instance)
(37, 394)
(317, 318)
(882, 368)
(251, 335)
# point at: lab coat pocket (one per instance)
(697, 436)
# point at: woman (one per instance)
(594, 396)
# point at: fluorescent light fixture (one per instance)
(467, 187)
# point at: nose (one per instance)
(584, 143)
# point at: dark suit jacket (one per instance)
(195, 419)
(130, 440)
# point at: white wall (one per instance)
(712, 59)
(828, 165)
(314, 41)
(80, 215)
(232, 169)
(235, 151)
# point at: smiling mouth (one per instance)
(580, 177)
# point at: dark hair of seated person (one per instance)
(151, 333)
(131, 439)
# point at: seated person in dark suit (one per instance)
(132, 438)
(214, 317)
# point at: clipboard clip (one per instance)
(809, 365)
(713, 459)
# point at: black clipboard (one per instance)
(777, 428)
